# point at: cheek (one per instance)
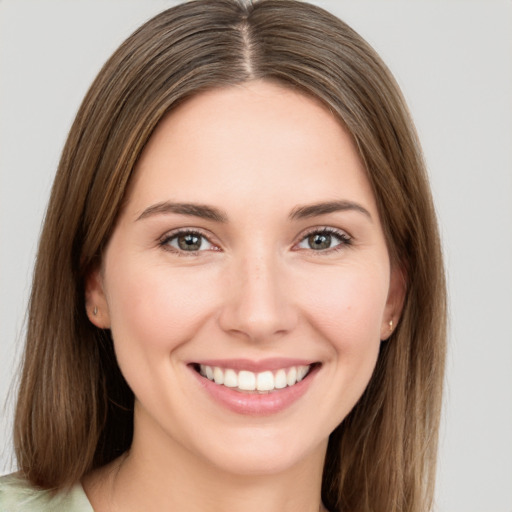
(348, 315)
(157, 309)
(349, 306)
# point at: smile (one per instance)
(256, 388)
(261, 382)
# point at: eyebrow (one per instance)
(313, 210)
(211, 213)
(195, 210)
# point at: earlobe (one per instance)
(395, 302)
(95, 300)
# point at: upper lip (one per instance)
(273, 363)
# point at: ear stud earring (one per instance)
(391, 326)
(95, 310)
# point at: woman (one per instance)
(238, 297)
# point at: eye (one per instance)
(324, 239)
(187, 241)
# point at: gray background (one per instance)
(453, 59)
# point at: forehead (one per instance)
(252, 140)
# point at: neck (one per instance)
(165, 476)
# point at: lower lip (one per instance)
(256, 404)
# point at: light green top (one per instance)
(17, 495)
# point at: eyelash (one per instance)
(344, 240)
(164, 241)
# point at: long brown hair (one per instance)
(74, 410)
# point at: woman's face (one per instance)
(250, 252)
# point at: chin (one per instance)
(262, 451)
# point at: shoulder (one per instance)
(18, 495)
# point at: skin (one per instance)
(258, 289)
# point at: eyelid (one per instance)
(168, 235)
(345, 238)
(324, 229)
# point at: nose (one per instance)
(258, 303)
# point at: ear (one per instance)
(95, 300)
(395, 302)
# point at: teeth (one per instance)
(230, 379)
(301, 372)
(218, 375)
(265, 381)
(291, 376)
(245, 380)
(280, 379)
